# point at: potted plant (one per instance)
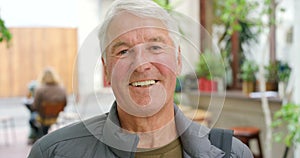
(283, 75)
(271, 76)
(287, 116)
(248, 70)
(203, 75)
(209, 70)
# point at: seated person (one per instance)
(51, 97)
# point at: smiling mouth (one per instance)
(143, 83)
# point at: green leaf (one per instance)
(277, 137)
(288, 116)
(4, 32)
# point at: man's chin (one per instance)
(143, 107)
(142, 103)
(140, 96)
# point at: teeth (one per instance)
(143, 83)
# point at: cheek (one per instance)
(109, 69)
(167, 65)
(169, 76)
(170, 82)
(117, 70)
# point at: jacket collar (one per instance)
(194, 137)
(122, 143)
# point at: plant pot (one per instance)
(248, 87)
(271, 86)
(205, 85)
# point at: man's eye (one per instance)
(122, 52)
(155, 47)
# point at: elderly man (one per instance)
(141, 58)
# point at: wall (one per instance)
(30, 51)
(89, 13)
(296, 67)
(44, 34)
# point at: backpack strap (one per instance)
(221, 138)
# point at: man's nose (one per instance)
(141, 60)
(143, 67)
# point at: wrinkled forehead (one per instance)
(126, 22)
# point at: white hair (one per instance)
(144, 8)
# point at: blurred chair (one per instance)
(48, 114)
(195, 114)
(245, 134)
(8, 121)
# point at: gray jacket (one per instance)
(101, 137)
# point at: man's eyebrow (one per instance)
(118, 44)
(157, 39)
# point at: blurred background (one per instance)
(257, 40)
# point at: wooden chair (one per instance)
(48, 113)
(197, 115)
(245, 134)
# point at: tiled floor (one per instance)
(16, 147)
(13, 143)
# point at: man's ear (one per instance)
(179, 62)
(105, 72)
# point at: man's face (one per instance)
(141, 64)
